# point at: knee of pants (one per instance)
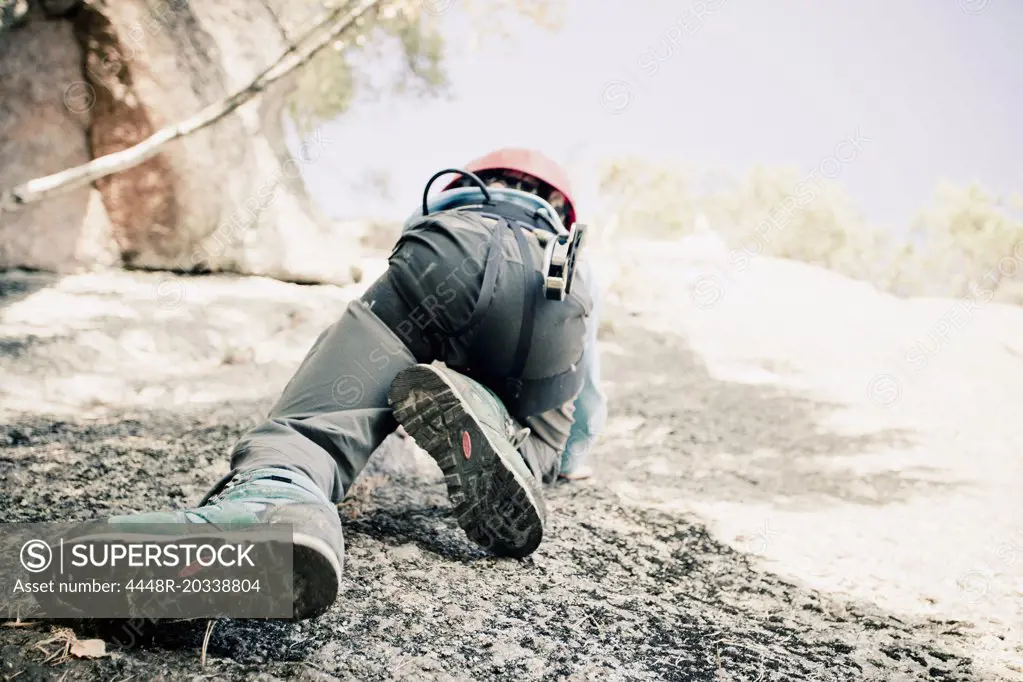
(350, 367)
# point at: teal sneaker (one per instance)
(262, 496)
(474, 440)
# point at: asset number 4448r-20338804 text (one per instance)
(194, 585)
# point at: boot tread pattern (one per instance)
(495, 508)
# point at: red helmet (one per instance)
(528, 162)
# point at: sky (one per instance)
(931, 90)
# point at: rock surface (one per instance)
(763, 507)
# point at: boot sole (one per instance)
(316, 574)
(495, 507)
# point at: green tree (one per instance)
(646, 196)
(962, 237)
(965, 236)
(328, 84)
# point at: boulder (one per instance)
(44, 124)
(227, 198)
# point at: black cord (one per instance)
(464, 173)
(557, 227)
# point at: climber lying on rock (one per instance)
(471, 284)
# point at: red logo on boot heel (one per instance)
(466, 445)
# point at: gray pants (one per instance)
(333, 413)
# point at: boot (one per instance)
(269, 495)
(470, 434)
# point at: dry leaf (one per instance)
(89, 648)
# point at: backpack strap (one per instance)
(531, 291)
(489, 284)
